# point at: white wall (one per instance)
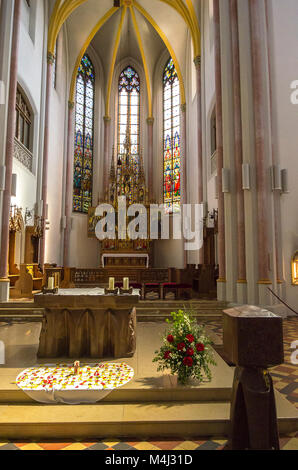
(57, 152)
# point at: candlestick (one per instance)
(51, 283)
(76, 367)
(125, 283)
(111, 283)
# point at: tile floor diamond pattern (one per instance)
(285, 379)
(289, 442)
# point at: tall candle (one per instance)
(111, 283)
(125, 283)
(51, 283)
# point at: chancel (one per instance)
(125, 128)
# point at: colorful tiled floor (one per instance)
(285, 379)
(286, 443)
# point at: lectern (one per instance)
(253, 341)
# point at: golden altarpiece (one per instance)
(126, 179)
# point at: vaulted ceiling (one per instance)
(141, 29)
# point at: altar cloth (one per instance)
(95, 291)
(58, 384)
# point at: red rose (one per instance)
(187, 361)
(190, 352)
(200, 347)
(167, 355)
(180, 346)
(170, 338)
(190, 338)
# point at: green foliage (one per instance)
(186, 350)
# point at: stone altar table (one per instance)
(84, 323)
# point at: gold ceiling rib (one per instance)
(63, 9)
(147, 76)
(115, 51)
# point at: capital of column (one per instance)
(197, 61)
(50, 58)
(107, 119)
(150, 121)
(183, 107)
(70, 105)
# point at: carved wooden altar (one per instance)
(126, 179)
(86, 324)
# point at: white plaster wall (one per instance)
(57, 150)
(284, 46)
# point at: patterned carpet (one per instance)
(285, 379)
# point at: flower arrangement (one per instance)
(186, 349)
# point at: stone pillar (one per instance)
(275, 161)
(11, 119)
(221, 283)
(238, 155)
(106, 146)
(50, 61)
(183, 169)
(259, 70)
(183, 147)
(68, 185)
(197, 62)
(150, 122)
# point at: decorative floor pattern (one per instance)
(285, 379)
(286, 443)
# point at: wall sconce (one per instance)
(285, 181)
(225, 180)
(295, 269)
(2, 92)
(276, 178)
(246, 177)
(14, 181)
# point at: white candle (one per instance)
(112, 283)
(125, 283)
(51, 283)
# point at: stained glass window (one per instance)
(171, 103)
(84, 130)
(129, 113)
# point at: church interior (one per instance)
(152, 104)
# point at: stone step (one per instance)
(10, 394)
(106, 420)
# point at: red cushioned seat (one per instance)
(170, 285)
(184, 286)
(152, 285)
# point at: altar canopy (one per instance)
(59, 384)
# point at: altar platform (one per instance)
(151, 405)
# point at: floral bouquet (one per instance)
(186, 349)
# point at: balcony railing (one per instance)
(22, 154)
